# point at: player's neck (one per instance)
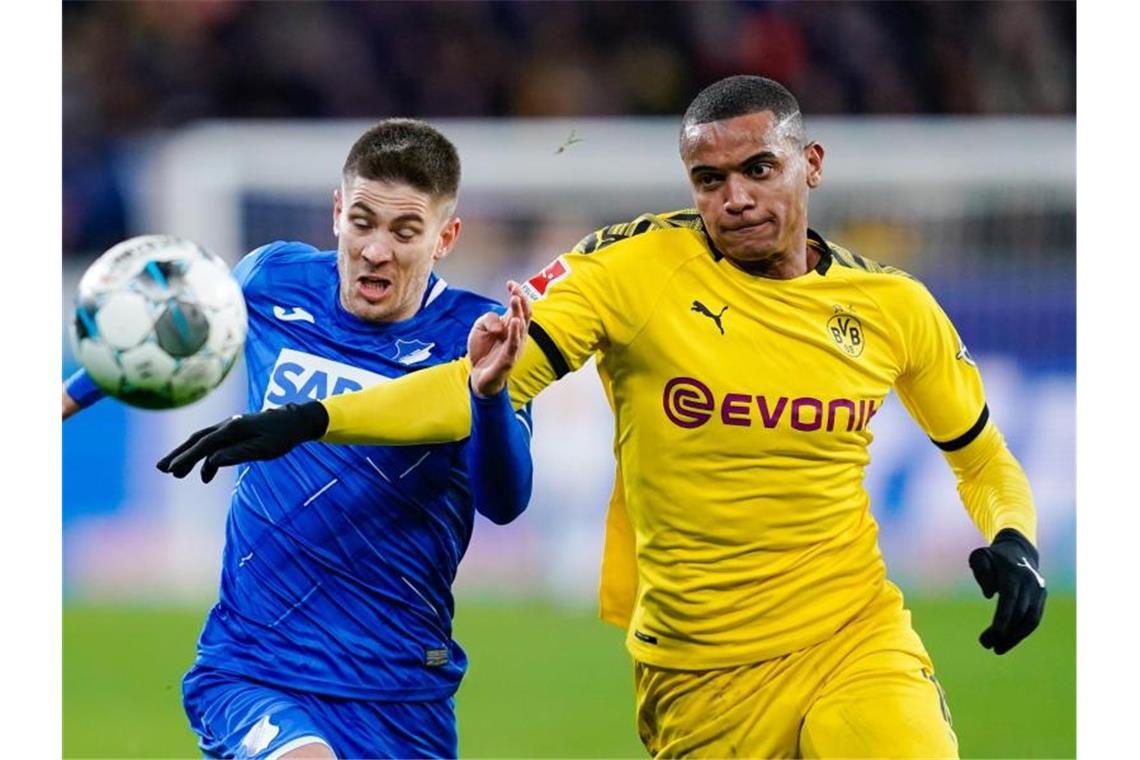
(796, 262)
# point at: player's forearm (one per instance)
(428, 406)
(79, 392)
(993, 486)
(498, 459)
(531, 374)
(70, 407)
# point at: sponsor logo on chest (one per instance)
(298, 377)
(689, 403)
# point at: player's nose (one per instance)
(376, 253)
(736, 196)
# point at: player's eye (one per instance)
(359, 223)
(708, 181)
(406, 234)
(758, 170)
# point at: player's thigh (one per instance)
(246, 720)
(424, 729)
(733, 712)
(887, 705)
(311, 751)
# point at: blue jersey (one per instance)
(338, 560)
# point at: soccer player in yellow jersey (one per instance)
(745, 357)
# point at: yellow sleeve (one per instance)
(398, 413)
(939, 385)
(429, 406)
(573, 302)
(941, 388)
(584, 303)
(993, 486)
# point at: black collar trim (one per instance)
(826, 255)
(716, 254)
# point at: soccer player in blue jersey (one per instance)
(332, 633)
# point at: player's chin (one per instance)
(752, 253)
(754, 243)
(371, 310)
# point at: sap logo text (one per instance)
(689, 403)
(299, 377)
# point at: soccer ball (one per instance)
(159, 321)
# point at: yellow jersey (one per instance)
(742, 409)
(740, 529)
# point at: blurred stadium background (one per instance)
(950, 131)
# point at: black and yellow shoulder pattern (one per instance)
(599, 239)
(851, 260)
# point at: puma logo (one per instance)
(1025, 563)
(700, 308)
(964, 355)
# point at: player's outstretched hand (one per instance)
(1008, 567)
(249, 437)
(496, 342)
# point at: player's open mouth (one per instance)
(373, 289)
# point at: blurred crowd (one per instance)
(133, 67)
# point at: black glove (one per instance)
(264, 435)
(1008, 566)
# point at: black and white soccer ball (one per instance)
(159, 321)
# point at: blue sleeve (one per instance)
(498, 457)
(82, 389)
(250, 264)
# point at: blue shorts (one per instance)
(238, 718)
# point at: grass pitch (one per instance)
(551, 682)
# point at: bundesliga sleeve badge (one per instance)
(535, 288)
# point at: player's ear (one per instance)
(338, 206)
(448, 237)
(813, 153)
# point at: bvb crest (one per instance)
(847, 332)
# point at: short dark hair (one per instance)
(406, 150)
(741, 95)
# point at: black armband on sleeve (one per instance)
(968, 437)
(553, 355)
